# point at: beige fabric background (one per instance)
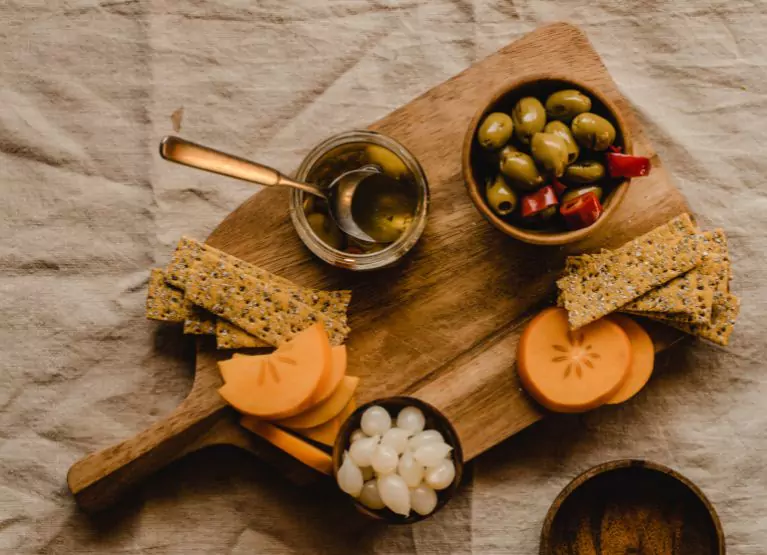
(87, 88)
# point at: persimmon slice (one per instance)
(326, 433)
(283, 384)
(572, 371)
(325, 411)
(642, 359)
(240, 363)
(293, 446)
(329, 382)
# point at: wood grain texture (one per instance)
(443, 324)
(631, 507)
(203, 419)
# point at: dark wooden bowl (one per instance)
(632, 507)
(435, 420)
(477, 168)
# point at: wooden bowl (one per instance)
(477, 168)
(632, 506)
(435, 420)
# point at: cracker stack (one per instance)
(674, 274)
(212, 292)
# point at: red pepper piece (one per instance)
(625, 165)
(559, 187)
(581, 211)
(613, 148)
(538, 201)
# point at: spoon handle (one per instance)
(181, 151)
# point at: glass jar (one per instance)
(367, 261)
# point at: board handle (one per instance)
(97, 480)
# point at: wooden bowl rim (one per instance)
(474, 188)
(621, 464)
(447, 428)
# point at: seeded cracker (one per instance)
(722, 322)
(711, 276)
(689, 298)
(199, 321)
(229, 336)
(262, 309)
(604, 283)
(164, 302)
(333, 304)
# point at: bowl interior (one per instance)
(482, 164)
(632, 507)
(435, 420)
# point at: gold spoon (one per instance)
(374, 216)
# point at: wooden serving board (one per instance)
(443, 325)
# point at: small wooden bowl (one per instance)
(632, 506)
(476, 165)
(435, 420)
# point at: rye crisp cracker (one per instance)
(722, 322)
(333, 304)
(604, 283)
(163, 302)
(229, 336)
(709, 282)
(263, 309)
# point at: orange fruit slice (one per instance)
(642, 359)
(321, 413)
(328, 432)
(572, 371)
(332, 379)
(293, 446)
(282, 384)
(239, 363)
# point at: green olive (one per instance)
(390, 163)
(593, 131)
(521, 170)
(500, 196)
(326, 229)
(495, 131)
(550, 153)
(565, 105)
(570, 194)
(529, 117)
(586, 171)
(559, 128)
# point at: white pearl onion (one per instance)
(370, 496)
(422, 438)
(432, 454)
(394, 493)
(423, 499)
(410, 469)
(411, 418)
(384, 460)
(350, 477)
(361, 451)
(375, 421)
(397, 439)
(356, 435)
(440, 476)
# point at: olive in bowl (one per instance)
(564, 135)
(399, 459)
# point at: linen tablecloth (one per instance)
(88, 87)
